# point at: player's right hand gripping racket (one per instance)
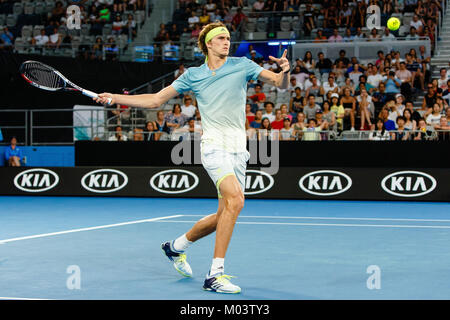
(47, 78)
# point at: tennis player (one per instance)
(220, 86)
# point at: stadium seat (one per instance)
(403, 31)
(261, 24)
(37, 30)
(63, 30)
(285, 25)
(49, 5)
(11, 20)
(107, 29)
(27, 32)
(85, 29)
(76, 41)
(189, 53)
(28, 8)
(122, 41)
(20, 44)
(17, 8)
(2, 19)
(39, 8)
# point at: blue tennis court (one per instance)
(281, 249)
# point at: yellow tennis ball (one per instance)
(393, 23)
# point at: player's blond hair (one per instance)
(201, 38)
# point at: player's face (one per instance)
(220, 44)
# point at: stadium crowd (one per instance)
(378, 96)
(43, 24)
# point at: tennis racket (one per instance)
(47, 78)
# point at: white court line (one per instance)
(87, 229)
(328, 224)
(330, 218)
(15, 298)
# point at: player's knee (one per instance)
(235, 202)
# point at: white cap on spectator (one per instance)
(334, 95)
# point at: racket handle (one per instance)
(93, 95)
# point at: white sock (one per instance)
(217, 266)
(181, 243)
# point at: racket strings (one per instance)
(42, 75)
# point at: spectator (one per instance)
(335, 37)
(374, 78)
(309, 23)
(117, 25)
(312, 86)
(414, 67)
(379, 133)
(338, 110)
(373, 36)
(311, 108)
(349, 104)
(239, 17)
(40, 40)
(380, 97)
(191, 128)
(256, 123)
(329, 116)
(6, 39)
(118, 135)
(181, 69)
(204, 18)
(355, 74)
(138, 134)
(392, 84)
(308, 62)
(417, 23)
(410, 123)
(363, 84)
(175, 119)
(258, 97)
(160, 123)
(340, 71)
(412, 34)
(320, 37)
(387, 35)
(277, 123)
(348, 37)
(401, 133)
(268, 106)
(342, 58)
(312, 131)
(324, 64)
(57, 12)
(384, 116)
(287, 132)
(285, 112)
(434, 117)
(149, 134)
(415, 115)
(249, 115)
(13, 154)
(97, 49)
(55, 39)
(331, 19)
(443, 79)
(196, 31)
(345, 15)
(329, 86)
(423, 132)
(188, 109)
(359, 14)
(296, 102)
(193, 20)
(111, 49)
(264, 131)
(359, 36)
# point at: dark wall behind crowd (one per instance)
(97, 76)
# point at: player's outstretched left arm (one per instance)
(281, 79)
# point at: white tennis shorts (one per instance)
(220, 163)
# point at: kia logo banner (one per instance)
(408, 183)
(174, 181)
(104, 180)
(257, 182)
(325, 182)
(385, 184)
(36, 180)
